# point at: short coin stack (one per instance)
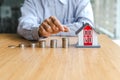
(21, 45)
(42, 43)
(33, 45)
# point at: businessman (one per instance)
(44, 18)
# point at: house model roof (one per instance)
(84, 25)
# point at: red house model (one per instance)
(87, 37)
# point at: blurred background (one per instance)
(106, 14)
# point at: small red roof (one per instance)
(86, 26)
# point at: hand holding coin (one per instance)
(51, 26)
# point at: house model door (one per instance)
(88, 36)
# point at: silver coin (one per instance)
(33, 45)
(53, 43)
(12, 46)
(22, 45)
(42, 43)
(65, 42)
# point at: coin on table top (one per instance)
(42, 43)
(12, 46)
(33, 45)
(53, 43)
(21, 45)
(65, 42)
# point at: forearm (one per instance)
(28, 31)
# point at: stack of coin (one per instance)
(33, 45)
(53, 43)
(42, 43)
(65, 42)
(22, 45)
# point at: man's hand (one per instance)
(51, 26)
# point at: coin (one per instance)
(21, 45)
(42, 43)
(12, 46)
(53, 43)
(65, 42)
(33, 45)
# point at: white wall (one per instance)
(118, 20)
(105, 13)
(80, 42)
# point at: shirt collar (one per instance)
(63, 1)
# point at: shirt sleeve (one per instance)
(28, 23)
(83, 14)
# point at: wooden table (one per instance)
(58, 63)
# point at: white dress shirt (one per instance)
(71, 13)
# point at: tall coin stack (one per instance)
(53, 43)
(65, 42)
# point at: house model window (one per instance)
(87, 37)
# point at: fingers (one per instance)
(47, 27)
(43, 32)
(51, 26)
(57, 23)
(66, 29)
